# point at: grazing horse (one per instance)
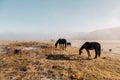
(91, 46)
(61, 42)
(68, 44)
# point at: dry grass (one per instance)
(44, 62)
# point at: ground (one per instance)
(42, 61)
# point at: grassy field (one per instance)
(41, 61)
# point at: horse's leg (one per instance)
(96, 53)
(99, 51)
(88, 52)
(63, 46)
(60, 46)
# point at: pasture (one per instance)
(42, 61)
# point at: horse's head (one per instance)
(80, 52)
(55, 45)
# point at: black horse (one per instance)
(91, 46)
(68, 43)
(62, 43)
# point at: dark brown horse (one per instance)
(91, 46)
(68, 43)
(61, 42)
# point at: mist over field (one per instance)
(108, 38)
(103, 34)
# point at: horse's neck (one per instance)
(82, 47)
(56, 43)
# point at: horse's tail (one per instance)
(99, 54)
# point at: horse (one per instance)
(68, 43)
(91, 46)
(61, 42)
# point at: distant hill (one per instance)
(104, 34)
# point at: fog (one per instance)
(105, 34)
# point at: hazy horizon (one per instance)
(101, 34)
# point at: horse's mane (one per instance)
(82, 47)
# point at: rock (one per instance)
(17, 51)
(77, 76)
(23, 68)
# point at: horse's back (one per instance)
(64, 40)
(93, 45)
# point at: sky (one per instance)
(54, 16)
